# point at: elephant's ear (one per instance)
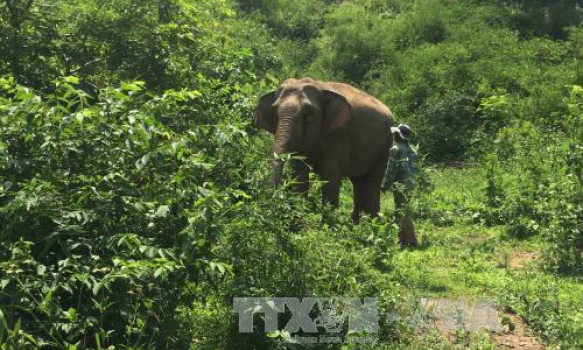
(264, 116)
(337, 111)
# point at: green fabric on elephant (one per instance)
(401, 165)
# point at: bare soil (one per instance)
(476, 239)
(519, 338)
(520, 259)
(477, 316)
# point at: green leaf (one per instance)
(220, 267)
(158, 272)
(274, 334)
(96, 288)
(97, 341)
(135, 86)
(41, 269)
(71, 80)
(17, 326)
(3, 327)
(4, 283)
(141, 163)
(49, 297)
(162, 211)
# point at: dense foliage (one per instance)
(437, 63)
(477, 80)
(535, 183)
(133, 202)
(165, 43)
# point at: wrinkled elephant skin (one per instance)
(340, 130)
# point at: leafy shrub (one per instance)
(107, 209)
(536, 186)
(437, 64)
(565, 252)
(350, 45)
(544, 17)
(166, 43)
(547, 306)
(122, 215)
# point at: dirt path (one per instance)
(520, 259)
(465, 275)
(516, 335)
(505, 329)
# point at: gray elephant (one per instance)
(340, 130)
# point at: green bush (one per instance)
(548, 307)
(437, 64)
(107, 208)
(536, 186)
(165, 43)
(125, 214)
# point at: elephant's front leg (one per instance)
(331, 192)
(330, 174)
(301, 173)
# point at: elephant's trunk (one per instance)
(276, 172)
(286, 137)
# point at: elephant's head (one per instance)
(300, 113)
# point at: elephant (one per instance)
(338, 130)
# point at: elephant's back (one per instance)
(359, 99)
(370, 136)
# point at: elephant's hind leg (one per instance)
(359, 193)
(372, 202)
